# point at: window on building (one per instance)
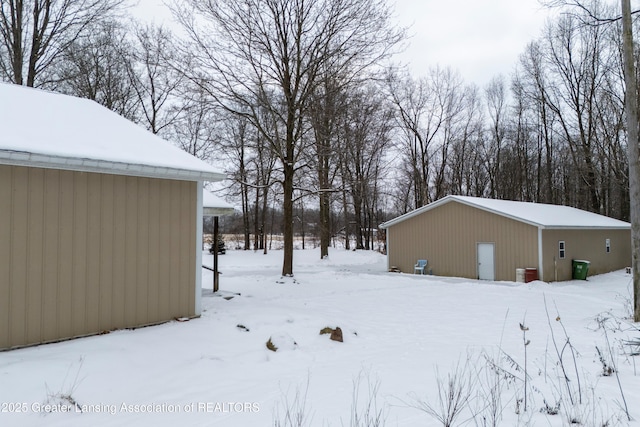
(561, 249)
(607, 244)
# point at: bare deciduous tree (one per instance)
(431, 116)
(273, 51)
(495, 95)
(531, 88)
(411, 98)
(153, 80)
(34, 33)
(195, 129)
(97, 67)
(327, 108)
(364, 140)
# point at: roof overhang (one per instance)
(22, 158)
(212, 205)
(217, 211)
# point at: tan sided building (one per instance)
(100, 221)
(490, 239)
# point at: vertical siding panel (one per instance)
(131, 252)
(502, 245)
(174, 229)
(66, 253)
(186, 248)
(183, 225)
(470, 246)
(481, 234)
(436, 242)
(106, 252)
(93, 303)
(18, 257)
(154, 251)
(451, 243)
(500, 249)
(166, 251)
(35, 280)
(143, 288)
(188, 296)
(508, 251)
(548, 256)
(193, 269)
(6, 206)
(81, 252)
(504, 253)
(119, 250)
(51, 256)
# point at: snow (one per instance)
(214, 205)
(210, 200)
(51, 124)
(401, 332)
(537, 214)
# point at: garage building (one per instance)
(490, 239)
(100, 221)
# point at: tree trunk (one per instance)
(245, 216)
(244, 192)
(357, 209)
(263, 221)
(287, 210)
(302, 223)
(345, 208)
(631, 109)
(256, 221)
(17, 54)
(325, 229)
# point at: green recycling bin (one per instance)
(580, 269)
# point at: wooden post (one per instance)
(216, 276)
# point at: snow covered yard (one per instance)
(401, 333)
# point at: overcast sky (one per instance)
(479, 38)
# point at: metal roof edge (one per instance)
(20, 158)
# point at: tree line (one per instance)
(303, 106)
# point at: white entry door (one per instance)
(486, 268)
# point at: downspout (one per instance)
(540, 264)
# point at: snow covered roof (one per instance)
(213, 205)
(536, 214)
(51, 130)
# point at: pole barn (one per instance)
(100, 221)
(490, 239)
